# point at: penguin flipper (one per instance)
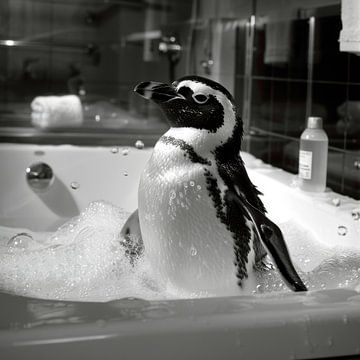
(272, 239)
(131, 238)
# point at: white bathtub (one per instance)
(317, 324)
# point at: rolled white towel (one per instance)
(56, 111)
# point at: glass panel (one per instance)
(329, 63)
(95, 50)
(352, 174)
(280, 46)
(261, 104)
(349, 118)
(327, 102)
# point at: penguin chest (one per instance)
(182, 233)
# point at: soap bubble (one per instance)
(139, 144)
(193, 250)
(74, 185)
(342, 230)
(19, 241)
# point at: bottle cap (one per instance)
(314, 122)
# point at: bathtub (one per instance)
(316, 324)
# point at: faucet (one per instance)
(171, 47)
(39, 176)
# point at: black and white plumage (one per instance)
(200, 218)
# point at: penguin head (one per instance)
(196, 105)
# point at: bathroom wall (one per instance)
(283, 61)
(298, 71)
(280, 58)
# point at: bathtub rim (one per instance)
(197, 323)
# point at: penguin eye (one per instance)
(200, 98)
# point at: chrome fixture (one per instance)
(207, 65)
(171, 47)
(357, 164)
(39, 176)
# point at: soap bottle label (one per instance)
(305, 162)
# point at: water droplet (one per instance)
(355, 214)
(139, 144)
(193, 251)
(126, 173)
(114, 150)
(192, 183)
(125, 151)
(342, 230)
(20, 241)
(336, 201)
(97, 118)
(345, 319)
(198, 187)
(74, 185)
(172, 195)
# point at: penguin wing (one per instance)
(131, 237)
(271, 237)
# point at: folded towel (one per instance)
(56, 111)
(350, 33)
(278, 35)
(277, 46)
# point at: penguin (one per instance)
(200, 219)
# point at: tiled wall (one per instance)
(298, 71)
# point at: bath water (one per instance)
(84, 260)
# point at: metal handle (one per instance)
(39, 176)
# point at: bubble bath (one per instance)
(84, 260)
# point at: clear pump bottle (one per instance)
(313, 156)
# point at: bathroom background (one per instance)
(280, 58)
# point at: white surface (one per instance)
(273, 326)
(350, 33)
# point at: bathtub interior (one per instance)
(180, 328)
(82, 175)
(111, 174)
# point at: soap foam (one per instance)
(320, 266)
(84, 260)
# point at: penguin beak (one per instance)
(157, 92)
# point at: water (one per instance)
(85, 260)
